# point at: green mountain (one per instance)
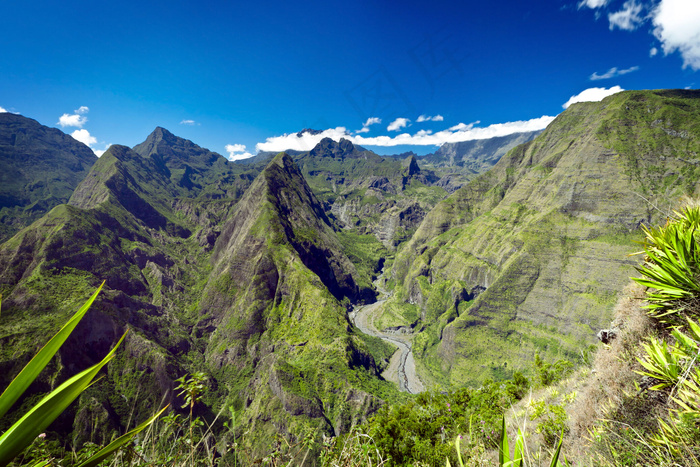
(39, 169)
(249, 292)
(248, 272)
(366, 194)
(274, 315)
(457, 163)
(530, 256)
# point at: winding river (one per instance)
(402, 367)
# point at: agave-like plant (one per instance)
(22, 433)
(671, 267)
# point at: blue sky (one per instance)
(229, 75)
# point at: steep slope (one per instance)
(131, 224)
(477, 155)
(254, 294)
(119, 227)
(274, 315)
(197, 171)
(39, 169)
(531, 255)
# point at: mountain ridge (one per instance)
(39, 169)
(504, 258)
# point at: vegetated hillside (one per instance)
(274, 315)
(253, 307)
(367, 194)
(129, 224)
(457, 163)
(531, 255)
(39, 169)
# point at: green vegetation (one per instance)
(420, 431)
(242, 278)
(366, 252)
(22, 433)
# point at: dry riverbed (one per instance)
(402, 367)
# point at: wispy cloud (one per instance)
(397, 124)
(613, 73)
(426, 118)
(629, 18)
(370, 121)
(461, 132)
(2, 110)
(592, 95)
(593, 4)
(675, 24)
(237, 152)
(188, 122)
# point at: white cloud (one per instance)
(72, 120)
(676, 24)
(188, 122)
(370, 121)
(2, 110)
(629, 18)
(592, 95)
(677, 27)
(305, 142)
(592, 3)
(237, 152)
(397, 124)
(425, 118)
(612, 73)
(77, 118)
(84, 137)
(457, 133)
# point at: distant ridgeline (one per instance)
(246, 271)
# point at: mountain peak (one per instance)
(158, 135)
(327, 147)
(309, 131)
(171, 152)
(410, 165)
(280, 207)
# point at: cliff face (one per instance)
(530, 255)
